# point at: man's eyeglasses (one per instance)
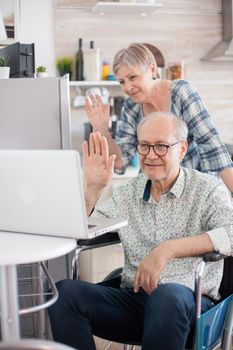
(159, 149)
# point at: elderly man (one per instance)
(175, 215)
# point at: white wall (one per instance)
(37, 26)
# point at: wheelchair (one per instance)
(213, 329)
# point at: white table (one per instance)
(22, 249)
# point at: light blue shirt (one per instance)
(195, 204)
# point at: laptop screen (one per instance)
(42, 193)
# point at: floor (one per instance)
(102, 344)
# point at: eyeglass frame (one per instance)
(153, 147)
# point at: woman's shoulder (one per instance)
(182, 88)
(180, 83)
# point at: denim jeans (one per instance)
(160, 321)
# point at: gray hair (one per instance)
(181, 126)
(135, 55)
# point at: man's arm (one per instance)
(227, 177)
(97, 168)
(148, 272)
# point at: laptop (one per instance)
(41, 192)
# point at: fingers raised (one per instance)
(87, 105)
(104, 147)
(98, 143)
(98, 100)
(85, 149)
(92, 144)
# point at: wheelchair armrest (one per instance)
(213, 257)
(107, 238)
(208, 257)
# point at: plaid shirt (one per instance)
(206, 151)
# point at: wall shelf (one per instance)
(95, 83)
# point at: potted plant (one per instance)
(41, 72)
(64, 66)
(4, 66)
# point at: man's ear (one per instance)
(183, 149)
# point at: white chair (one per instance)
(32, 344)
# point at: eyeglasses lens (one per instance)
(159, 150)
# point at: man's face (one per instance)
(157, 168)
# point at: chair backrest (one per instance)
(226, 287)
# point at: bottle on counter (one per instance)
(105, 70)
(79, 62)
(91, 58)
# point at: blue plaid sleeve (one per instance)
(126, 134)
(205, 143)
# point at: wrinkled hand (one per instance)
(148, 272)
(97, 164)
(98, 113)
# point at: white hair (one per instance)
(181, 126)
(136, 55)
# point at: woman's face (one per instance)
(136, 82)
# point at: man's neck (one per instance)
(160, 187)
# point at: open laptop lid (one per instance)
(41, 192)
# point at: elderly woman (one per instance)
(137, 72)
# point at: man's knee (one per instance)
(68, 288)
(76, 295)
(172, 296)
(71, 294)
(169, 314)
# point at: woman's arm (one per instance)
(98, 115)
(125, 140)
(213, 155)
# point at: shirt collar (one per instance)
(176, 190)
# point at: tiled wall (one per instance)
(181, 29)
